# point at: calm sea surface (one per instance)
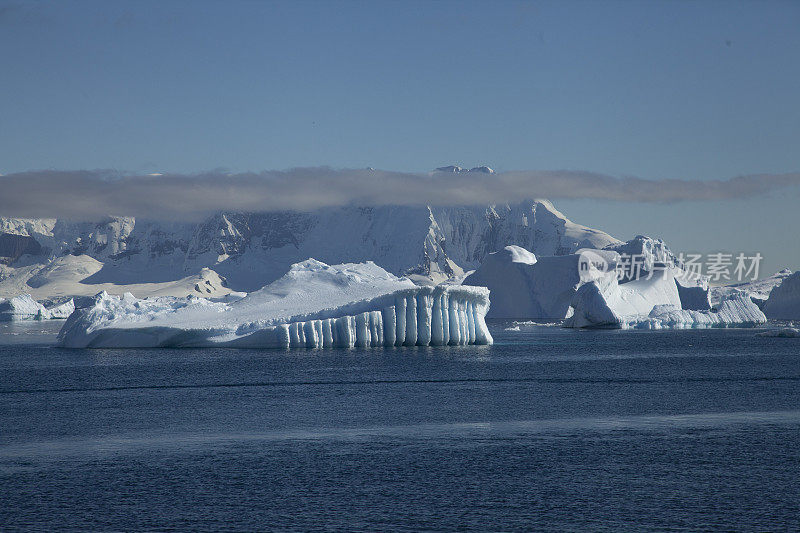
(548, 429)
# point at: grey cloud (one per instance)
(90, 194)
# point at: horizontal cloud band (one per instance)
(89, 194)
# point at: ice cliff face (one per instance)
(784, 300)
(249, 250)
(313, 306)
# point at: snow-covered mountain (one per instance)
(455, 169)
(245, 251)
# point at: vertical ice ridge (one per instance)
(416, 319)
(411, 320)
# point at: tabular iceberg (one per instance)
(314, 305)
(24, 307)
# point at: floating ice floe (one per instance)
(782, 332)
(314, 305)
(530, 325)
(24, 307)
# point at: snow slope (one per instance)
(535, 225)
(784, 300)
(70, 276)
(313, 305)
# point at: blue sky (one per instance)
(656, 90)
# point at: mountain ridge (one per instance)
(249, 250)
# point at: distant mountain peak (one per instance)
(482, 169)
(455, 169)
(450, 168)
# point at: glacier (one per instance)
(314, 305)
(24, 307)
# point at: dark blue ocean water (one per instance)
(546, 430)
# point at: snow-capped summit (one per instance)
(450, 168)
(482, 169)
(455, 169)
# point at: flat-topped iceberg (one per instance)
(24, 307)
(314, 305)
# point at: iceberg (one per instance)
(653, 303)
(607, 303)
(527, 286)
(651, 255)
(758, 290)
(733, 312)
(784, 300)
(24, 307)
(314, 305)
(524, 286)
